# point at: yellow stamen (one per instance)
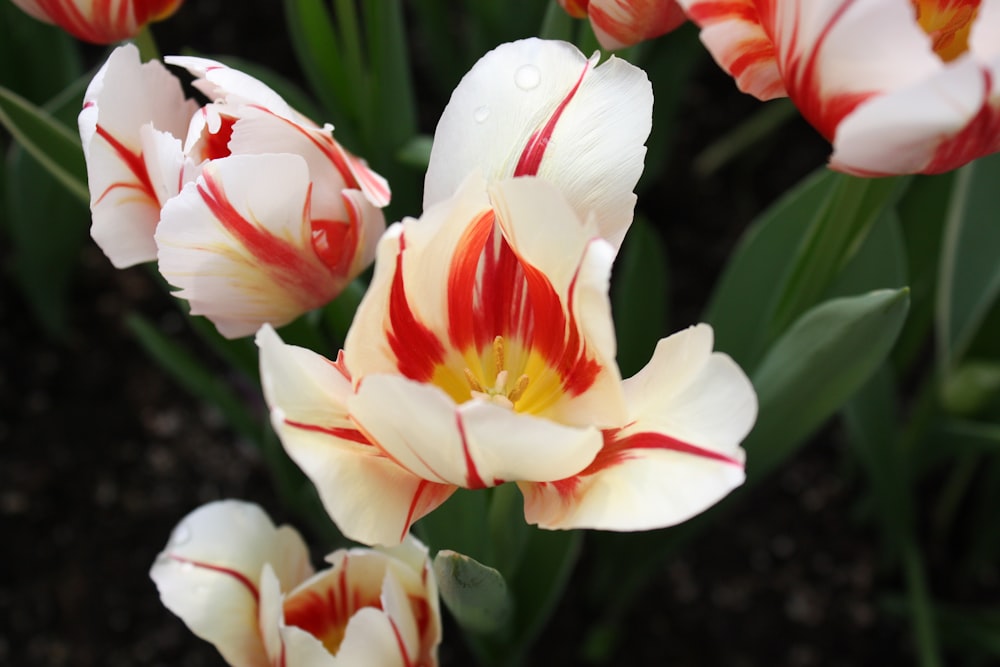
(948, 22)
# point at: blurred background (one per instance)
(102, 451)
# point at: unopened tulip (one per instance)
(621, 23)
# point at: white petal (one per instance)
(593, 150)
(221, 83)
(368, 495)
(238, 244)
(125, 106)
(984, 39)
(901, 132)
(689, 410)
(475, 445)
(209, 574)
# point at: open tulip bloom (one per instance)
(897, 86)
(100, 21)
(247, 587)
(254, 212)
(483, 353)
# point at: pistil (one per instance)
(498, 393)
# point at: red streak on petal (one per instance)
(712, 12)
(472, 478)
(105, 21)
(401, 644)
(238, 576)
(418, 351)
(619, 448)
(133, 160)
(350, 434)
(216, 144)
(534, 151)
(645, 19)
(980, 137)
(278, 257)
(421, 486)
(463, 314)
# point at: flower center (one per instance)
(948, 23)
(502, 392)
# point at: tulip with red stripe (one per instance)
(897, 86)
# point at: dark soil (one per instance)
(101, 454)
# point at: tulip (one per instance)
(247, 587)
(621, 23)
(541, 108)
(254, 212)
(897, 86)
(100, 22)
(483, 353)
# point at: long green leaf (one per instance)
(47, 140)
(969, 279)
(816, 366)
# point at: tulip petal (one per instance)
(619, 24)
(537, 107)
(732, 32)
(368, 495)
(679, 454)
(131, 108)
(99, 22)
(209, 574)
(475, 445)
(238, 244)
(936, 125)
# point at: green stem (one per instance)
(147, 45)
(557, 24)
(921, 607)
(836, 233)
(339, 314)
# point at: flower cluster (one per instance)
(255, 212)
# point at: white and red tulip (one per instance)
(541, 108)
(254, 212)
(484, 353)
(100, 21)
(621, 23)
(247, 587)
(897, 86)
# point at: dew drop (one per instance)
(481, 114)
(182, 535)
(187, 567)
(527, 77)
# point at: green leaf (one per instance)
(922, 213)
(475, 594)
(416, 152)
(508, 532)
(971, 387)
(969, 279)
(640, 296)
(767, 120)
(37, 60)
(47, 140)
(880, 262)
(824, 357)
(747, 292)
(47, 228)
(460, 524)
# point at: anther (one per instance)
(519, 388)
(498, 355)
(473, 382)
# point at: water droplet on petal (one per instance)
(527, 77)
(181, 535)
(187, 567)
(481, 114)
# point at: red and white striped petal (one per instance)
(536, 107)
(238, 243)
(209, 574)
(131, 114)
(621, 23)
(934, 126)
(369, 496)
(678, 455)
(99, 22)
(220, 83)
(733, 34)
(447, 285)
(475, 445)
